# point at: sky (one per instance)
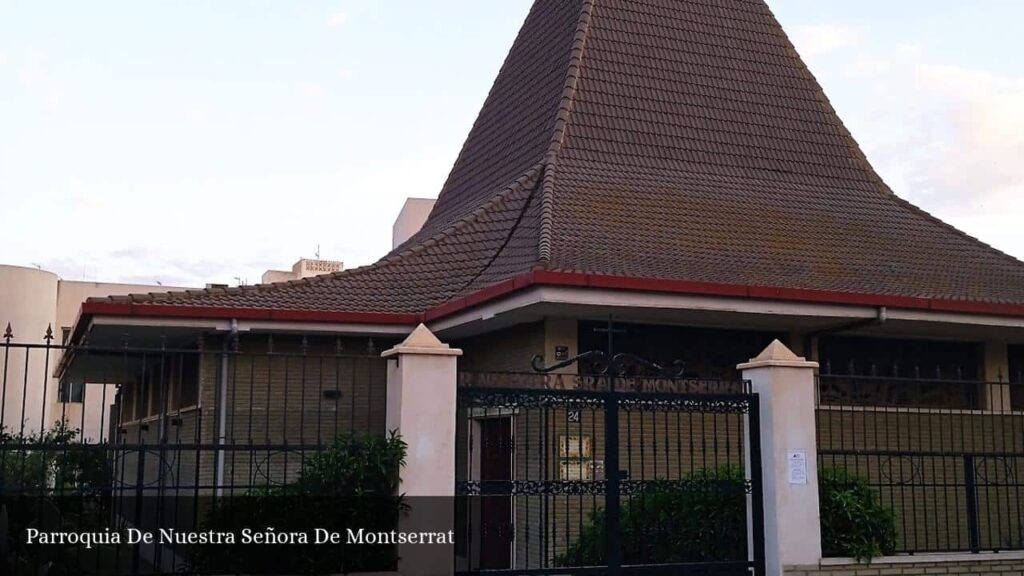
(190, 142)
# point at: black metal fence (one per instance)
(946, 457)
(102, 440)
(606, 474)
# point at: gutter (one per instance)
(878, 320)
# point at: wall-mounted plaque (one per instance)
(574, 446)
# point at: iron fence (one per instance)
(606, 474)
(945, 457)
(167, 435)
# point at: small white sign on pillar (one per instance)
(784, 383)
(797, 467)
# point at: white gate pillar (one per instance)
(421, 397)
(792, 524)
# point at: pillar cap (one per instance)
(423, 342)
(777, 355)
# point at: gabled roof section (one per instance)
(670, 140)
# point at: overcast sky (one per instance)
(193, 142)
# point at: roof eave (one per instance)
(586, 280)
(539, 278)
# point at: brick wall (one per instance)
(506, 350)
(271, 399)
(993, 566)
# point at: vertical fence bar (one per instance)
(757, 492)
(611, 465)
(971, 489)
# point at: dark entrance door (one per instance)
(496, 510)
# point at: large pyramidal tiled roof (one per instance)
(668, 139)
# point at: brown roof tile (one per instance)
(681, 140)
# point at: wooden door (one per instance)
(496, 511)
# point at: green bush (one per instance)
(53, 466)
(702, 519)
(352, 484)
(854, 523)
(49, 462)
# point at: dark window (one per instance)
(894, 372)
(188, 381)
(72, 392)
(852, 356)
(705, 352)
(127, 401)
(1015, 356)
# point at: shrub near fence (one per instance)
(947, 457)
(702, 519)
(352, 484)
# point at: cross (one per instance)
(612, 331)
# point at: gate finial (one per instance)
(8, 334)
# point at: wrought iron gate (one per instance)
(628, 468)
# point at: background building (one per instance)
(33, 301)
(410, 219)
(304, 268)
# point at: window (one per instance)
(73, 392)
(164, 385)
(127, 401)
(188, 381)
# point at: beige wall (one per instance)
(27, 301)
(412, 217)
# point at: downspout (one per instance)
(881, 316)
(222, 422)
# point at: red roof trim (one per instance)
(157, 311)
(582, 280)
(545, 278)
(566, 279)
